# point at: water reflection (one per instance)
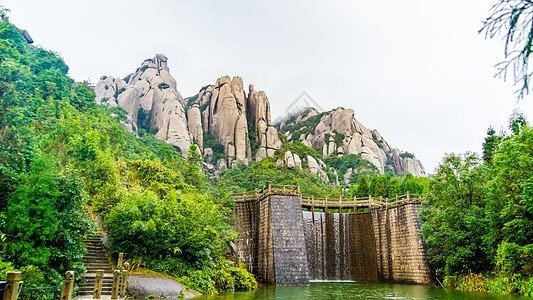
(357, 290)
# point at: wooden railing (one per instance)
(267, 190)
(326, 203)
(355, 202)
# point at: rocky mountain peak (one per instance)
(231, 125)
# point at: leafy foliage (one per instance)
(478, 219)
(60, 151)
(513, 20)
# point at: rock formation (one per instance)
(152, 88)
(259, 114)
(228, 117)
(337, 132)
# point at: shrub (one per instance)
(163, 86)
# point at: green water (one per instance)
(357, 290)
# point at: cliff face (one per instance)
(223, 118)
(338, 132)
(229, 114)
(152, 88)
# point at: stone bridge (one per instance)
(288, 239)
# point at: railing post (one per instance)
(120, 260)
(408, 197)
(68, 285)
(124, 286)
(340, 204)
(11, 291)
(396, 202)
(116, 284)
(269, 187)
(380, 200)
(298, 187)
(256, 194)
(312, 203)
(371, 203)
(354, 203)
(98, 282)
(326, 205)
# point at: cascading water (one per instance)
(340, 246)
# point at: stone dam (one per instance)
(283, 245)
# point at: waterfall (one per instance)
(340, 246)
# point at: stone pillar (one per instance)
(116, 284)
(98, 282)
(124, 285)
(68, 285)
(12, 286)
(120, 259)
(290, 266)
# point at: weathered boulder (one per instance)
(194, 122)
(348, 136)
(223, 111)
(289, 160)
(208, 154)
(152, 88)
(316, 168)
(297, 161)
(259, 115)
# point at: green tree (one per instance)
(411, 184)
(510, 208)
(379, 186)
(193, 168)
(32, 219)
(492, 141)
(453, 217)
(363, 190)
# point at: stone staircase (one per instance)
(96, 259)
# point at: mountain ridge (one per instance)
(231, 125)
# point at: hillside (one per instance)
(231, 125)
(62, 154)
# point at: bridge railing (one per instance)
(356, 202)
(267, 190)
(325, 203)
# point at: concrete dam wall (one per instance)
(282, 245)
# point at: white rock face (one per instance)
(297, 161)
(259, 114)
(356, 139)
(153, 88)
(316, 168)
(223, 109)
(289, 160)
(194, 122)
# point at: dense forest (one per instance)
(478, 217)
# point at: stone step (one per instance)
(91, 284)
(89, 291)
(104, 265)
(95, 257)
(89, 275)
(94, 270)
(96, 261)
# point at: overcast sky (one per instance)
(415, 70)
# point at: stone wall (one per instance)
(246, 224)
(399, 246)
(282, 245)
(288, 240)
(271, 241)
